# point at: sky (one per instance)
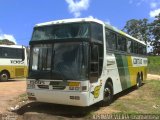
(18, 17)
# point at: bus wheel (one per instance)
(107, 95)
(4, 76)
(139, 81)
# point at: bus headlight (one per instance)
(30, 85)
(84, 88)
(74, 88)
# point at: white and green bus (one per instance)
(13, 62)
(83, 61)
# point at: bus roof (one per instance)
(74, 20)
(12, 46)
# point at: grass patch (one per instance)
(154, 65)
(23, 97)
(145, 100)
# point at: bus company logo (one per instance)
(145, 61)
(137, 61)
(39, 82)
(96, 91)
(17, 62)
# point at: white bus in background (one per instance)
(83, 61)
(13, 62)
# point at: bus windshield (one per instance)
(64, 61)
(61, 31)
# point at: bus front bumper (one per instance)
(59, 97)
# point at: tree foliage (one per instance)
(138, 29)
(6, 42)
(145, 31)
(155, 30)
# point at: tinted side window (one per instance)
(144, 50)
(129, 46)
(97, 31)
(111, 39)
(140, 49)
(121, 43)
(0, 52)
(14, 53)
(135, 47)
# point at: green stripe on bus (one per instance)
(122, 65)
(127, 75)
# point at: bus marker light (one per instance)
(71, 97)
(84, 88)
(77, 98)
(74, 88)
(77, 88)
(71, 88)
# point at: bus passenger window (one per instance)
(129, 46)
(144, 50)
(111, 39)
(135, 46)
(121, 43)
(0, 52)
(140, 49)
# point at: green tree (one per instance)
(155, 30)
(138, 29)
(6, 42)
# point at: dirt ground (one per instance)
(9, 92)
(153, 77)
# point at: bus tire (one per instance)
(107, 95)
(142, 77)
(139, 81)
(4, 76)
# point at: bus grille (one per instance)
(19, 72)
(43, 86)
(59, 87)
(53, 87)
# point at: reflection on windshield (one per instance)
(42, 57)
(68, 61)
(74, 30)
